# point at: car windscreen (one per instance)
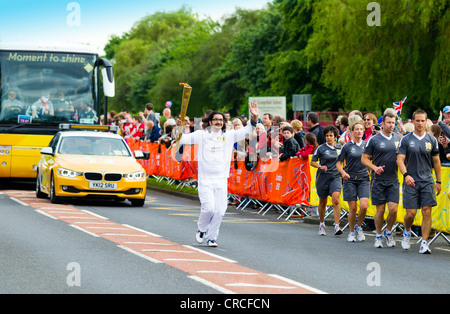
(48, 87)
(101, 146)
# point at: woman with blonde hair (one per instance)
(356, 180)
(299, 134)
(370, 120)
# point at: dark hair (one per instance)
(313, 117)
(419, 111)
(388, 114)
(331, 128)
(288, 128)
(149, 106)
(208, 120)
(168, 129)
(436, 130)
(311, 138)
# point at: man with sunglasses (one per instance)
(215, 147)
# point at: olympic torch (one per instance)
(184, 105)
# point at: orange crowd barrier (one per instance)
(285, 183)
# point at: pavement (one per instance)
(312, 219)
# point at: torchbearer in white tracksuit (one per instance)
(215, 147)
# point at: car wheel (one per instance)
(137, 202)
(39, 193)
(53, 198)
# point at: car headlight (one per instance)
(68, 173)
(135, 175)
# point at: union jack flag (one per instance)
(399, 105)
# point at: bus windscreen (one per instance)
(47, 87)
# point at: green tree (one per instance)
(289, 70)
(243, 72)
(371, 67)
(140, 54)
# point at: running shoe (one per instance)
(405, 241)
(351, 237)
(359, 233)
(211, 243)
(424, 248)
(322, 230)
(378, 242)
(390, 242)
(337, 230)
(199, 236)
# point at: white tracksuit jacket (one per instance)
(214, 158)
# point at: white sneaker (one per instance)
(378, 242)
(359, 234)
(211, 243)
(337, 230)
(424, 248)
(199, 236)
(405, 241)
(390, 242)
(351, 237)
(322, 230)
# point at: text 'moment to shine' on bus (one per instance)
(40, 88)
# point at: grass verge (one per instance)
(164, 184)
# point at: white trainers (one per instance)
(359, 233)
(322, 230)
(405, 241)
(390, 242)
(378, 242)
(199, 236)
(351, 237)
(337, 230)
(211, 243)
(424, 248)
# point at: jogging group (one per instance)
(363, 164)
(365, 169)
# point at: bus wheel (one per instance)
(53, 198)
(39, 193)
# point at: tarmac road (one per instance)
(110, 247)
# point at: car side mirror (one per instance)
(47, 151)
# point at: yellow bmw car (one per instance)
(83, 163)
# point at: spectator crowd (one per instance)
(335, 151)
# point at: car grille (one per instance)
(113, 177)
(93, 176)
(97, 176)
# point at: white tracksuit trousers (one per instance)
(214, 156)
(213, 198)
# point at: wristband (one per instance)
(438, 182)
(405, 174)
